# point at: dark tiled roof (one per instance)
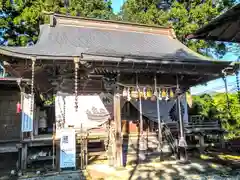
(225, 27)
(64, 41)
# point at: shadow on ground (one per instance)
(152, 169)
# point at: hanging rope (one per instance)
(76, 63)
(140, 106)
(159, 117)
(64, 112)
(238, 86)
(238, 83)
(179, 106)
(141, 141)
(32, 85)
(226, 93)
(182, 141)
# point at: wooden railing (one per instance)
(196, 127)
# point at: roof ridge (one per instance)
(110, 21)
(66, 20)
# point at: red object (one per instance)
(18, 107)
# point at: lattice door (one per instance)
(9, 120)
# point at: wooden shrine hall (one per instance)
(92, 68)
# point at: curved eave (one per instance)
(22, 55)
(219, 29)
(150, 60)
(114, 58)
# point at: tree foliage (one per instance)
(184, 16)
(20, 19)
(216, 107)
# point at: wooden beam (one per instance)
(165, 70)
(118, 129)
(186, 67)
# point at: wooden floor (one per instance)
(41, 137)
(8, 148)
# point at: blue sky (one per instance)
(116, 4)
(218, 85)
(212, 86)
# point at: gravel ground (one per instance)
(192, 177)
(209, 177)
(235, 175)
(72, 176)
(169, 170)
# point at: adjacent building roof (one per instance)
(67, 37)
(225, 27)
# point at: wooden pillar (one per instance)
(128, 109)
(21, 102)
(118, 130)
(24, 158)
(57, 161)
(22, 151)
(182, 143)
(201, 142)
(222, 141)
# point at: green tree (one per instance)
(204, 105)
(228, 112)
(216, 107)
(20, 19)
(184, 16)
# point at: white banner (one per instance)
(27, 113)
(68, 148)
(91, 112)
